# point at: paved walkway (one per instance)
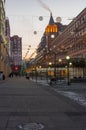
(23, 102)
(62, 85)
(74, 91)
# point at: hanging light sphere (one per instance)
(58, 19)
(35, 32)
(29, 46)
(40, 18)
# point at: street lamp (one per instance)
(68, 76)
(52, 36)
(50, 63)
(54, 53)
(36, 73)
(60, 60)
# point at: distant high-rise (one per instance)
(16, 52)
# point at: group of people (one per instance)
(11, 75)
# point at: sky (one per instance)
(24, 18)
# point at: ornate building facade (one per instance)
(58, 44)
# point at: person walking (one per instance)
(3, 77)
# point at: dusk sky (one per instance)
(24, 17)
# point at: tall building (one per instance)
(16, 53)
(7, 34)
(4, 62)
(52, 31)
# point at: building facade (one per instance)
(7, 34)
(16, 53)
(4, 56)
(70, 41)
(2, 32)
(51, 32)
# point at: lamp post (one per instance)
(54, 53)
(50, 65)
(60, 60)
(55, 65)
(68, 76)
(36, 73)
